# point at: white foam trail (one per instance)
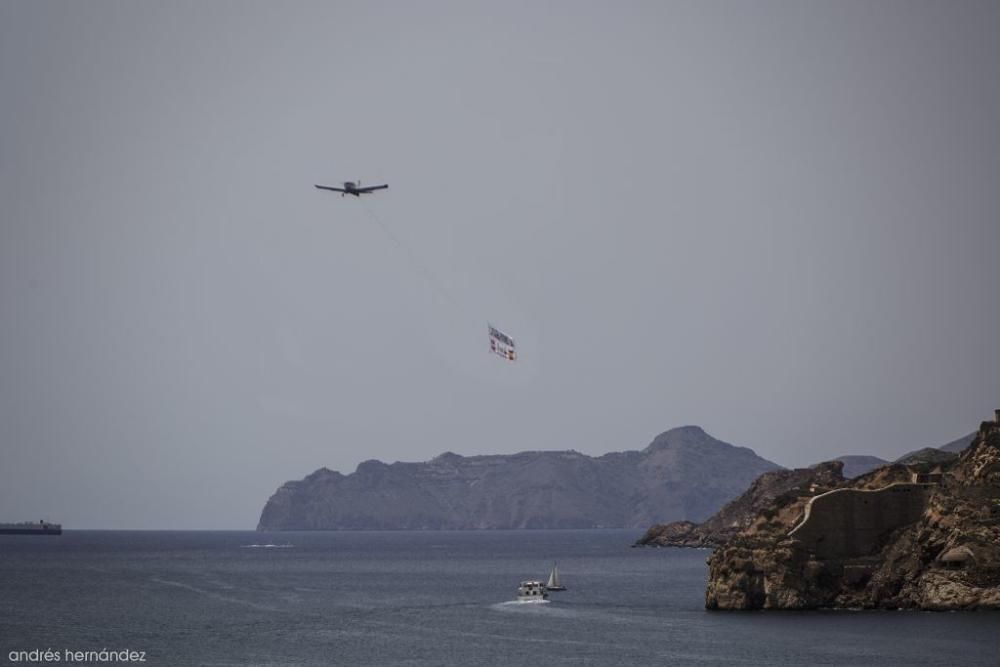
(560, 611)
(511, 605)
(212, 594)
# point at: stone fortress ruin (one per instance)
(846, 524)
(919, 535)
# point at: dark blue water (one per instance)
(427, 598)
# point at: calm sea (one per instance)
(426, 598)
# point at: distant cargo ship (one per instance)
(27, 528)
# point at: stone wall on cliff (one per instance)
(787, 489)
(846, 523)
(946, 557)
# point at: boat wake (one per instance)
(511, 605)
(213, 594)
(266, 546)
(557, 611)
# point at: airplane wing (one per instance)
(371, 188)
(327, 187)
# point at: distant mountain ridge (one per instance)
(953, 447)
(684, 473)
(857, 465)
(959, 445)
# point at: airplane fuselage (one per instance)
(352, 188)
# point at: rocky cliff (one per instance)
(855, 466)
(927, 455)
(683, 474)
(774, 491)
(879, 541)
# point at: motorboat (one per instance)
(532, 591)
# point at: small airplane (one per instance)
(352, 188)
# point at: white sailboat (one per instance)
(554, 583)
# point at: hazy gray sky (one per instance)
(777, 220)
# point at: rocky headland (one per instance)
(920, 536)
(777, 491)
(683, 474)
